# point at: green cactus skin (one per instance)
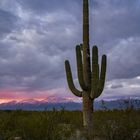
(91, 79)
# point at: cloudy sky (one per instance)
(37, 36)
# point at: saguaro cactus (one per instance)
(91, 78)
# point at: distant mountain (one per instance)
(32, 104)
(118, 104)
(38, 105)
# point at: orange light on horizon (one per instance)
(9, 95)
(21, 99)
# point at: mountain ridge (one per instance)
(32, 104)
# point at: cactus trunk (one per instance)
(86, 48)
(91, 79)
(87, 101)
(87, 111)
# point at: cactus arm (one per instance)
(95, 72)
(70, 80)
(102, 75)
(80, 67)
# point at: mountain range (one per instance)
(33, 104)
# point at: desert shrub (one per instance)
(59, 125)
(117, 125)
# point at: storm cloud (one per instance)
(38, 36)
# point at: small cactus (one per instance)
(91, 78)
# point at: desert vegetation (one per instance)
(67, 125)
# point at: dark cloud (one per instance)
(34, 48)
(41, 7)
(114, 20)
(8, 22)
(123, 59)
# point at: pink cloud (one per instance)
(53, 95)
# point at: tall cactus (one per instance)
(91, 78)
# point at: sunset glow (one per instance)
(55, 95)
(36, 37)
